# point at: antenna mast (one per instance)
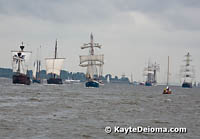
(56, 49)
(168, 72)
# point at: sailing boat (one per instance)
(20, 61)
(131, 82)
(187, 72)
(108, 79)
(53, 67)
(92, 61)
(167, 90)
(36, 70)
(150, 72)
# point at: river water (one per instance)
(72, 111)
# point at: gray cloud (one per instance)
(177, 14)
(69, 11)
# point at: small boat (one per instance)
(92, 83)
(94, 64)
(186, 85)
(20, 61)
(167, 90)
(53, 68)
(108, 79)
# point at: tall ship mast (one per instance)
(37, 68)
(187, 72)
(167, 90)
(20, 61)
(93, 63)
(168, 71)
(151, 74)
(53, 68)
(131, 82)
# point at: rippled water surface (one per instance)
(73, 111)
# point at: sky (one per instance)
(131, 32)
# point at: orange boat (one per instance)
(167, 91)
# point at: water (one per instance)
(72, 111)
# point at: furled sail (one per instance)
(89, 58)
(36, 69)
(20, 61)
(54, 65)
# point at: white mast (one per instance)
(168, 72)
(131, 78)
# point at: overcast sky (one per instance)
(131, 32)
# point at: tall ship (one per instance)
(53, 68)
(93, 63)
(20, 61)
(187, 72)
(151, 74)
(37, 69)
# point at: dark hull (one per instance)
(54, 81)
(148, 84)
(21, 79)
(187, 85)
(92, 84)
(36, 81)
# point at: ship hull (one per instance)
(54, 81)
(148, 84)
(92, 84)
(36, 81)
(187, 85)
(21, 79)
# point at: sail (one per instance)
(187, 70)
(54, 65)
(86, 58)
(90, 71)
(35, 70)
(20, 62)
(89, 64)
(91, 61)
(108, 79)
